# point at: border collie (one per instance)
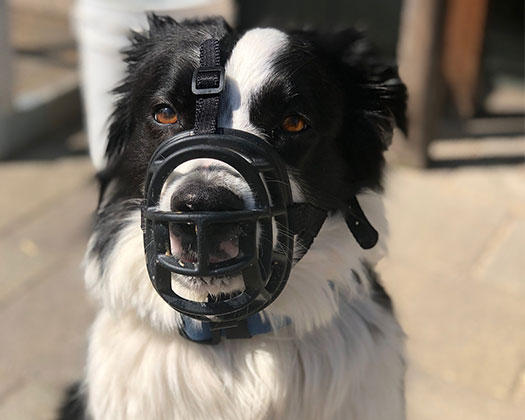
(328, 106)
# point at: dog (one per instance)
(328, 105)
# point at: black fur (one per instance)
(109, 221)
(160, 67)
(379, 295)
(74, 404)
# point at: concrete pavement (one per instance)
(47, 201)
(456, 271)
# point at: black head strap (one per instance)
(305, 221)
(363, 231)
(207, 84)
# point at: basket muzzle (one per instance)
(263, 267)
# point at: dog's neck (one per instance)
(332, 269)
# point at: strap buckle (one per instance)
(208, 80)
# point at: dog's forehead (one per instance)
(252, 58)
(249, 68)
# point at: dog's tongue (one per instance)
(225, 250)
(178, 252)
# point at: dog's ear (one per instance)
(121, 123)
(372, 84)
(142, 52)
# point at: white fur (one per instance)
(341, 357)
(217, 177)
(249, 68)
(339, 372)
(327, 366)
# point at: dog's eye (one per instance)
(293, 124)
(165, 115)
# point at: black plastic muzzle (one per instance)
(264, 268)
(252, 253)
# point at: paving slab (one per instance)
(429, 398)
(45, 317)
(40, 182)
(455, 272)
(33, 400)
(468, 336)
(442, 220)
(48, 199)
(505, 266)
(43, 221)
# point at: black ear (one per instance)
(121, 123)
(372, 84)
(145, 49)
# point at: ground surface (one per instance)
(456, 271)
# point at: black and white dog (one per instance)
(328, 107)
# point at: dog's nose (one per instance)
(198, 196)
(222, 238)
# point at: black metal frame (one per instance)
(264, 269)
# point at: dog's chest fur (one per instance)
(136, 374)
(341, 359)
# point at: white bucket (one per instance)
(102, 28)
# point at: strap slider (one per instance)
(208, 80)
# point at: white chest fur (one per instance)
(344, 371)
(343, 358)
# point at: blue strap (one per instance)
(200, 331)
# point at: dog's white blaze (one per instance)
(217, 177)
(190, 165)
(249, 69)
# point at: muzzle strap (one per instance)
(305, 221)
(207, 84)
(363, 231)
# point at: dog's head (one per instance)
(326, 104)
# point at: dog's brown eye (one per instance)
(165, 115)
(293, 124)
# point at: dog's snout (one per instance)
(222, 238)
(198, 196)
